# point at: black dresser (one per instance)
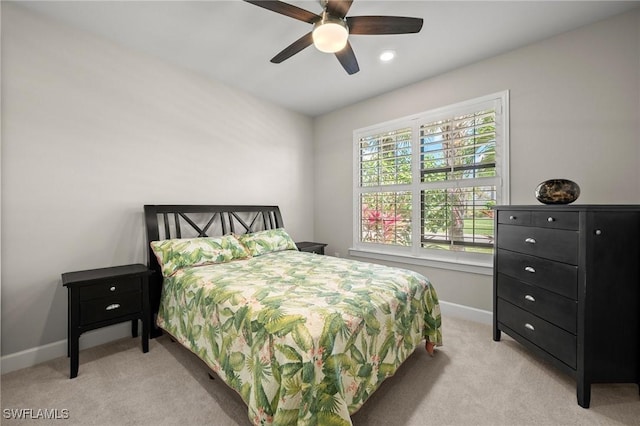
(566, 286)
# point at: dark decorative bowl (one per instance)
(557, 191)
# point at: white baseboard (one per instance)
(39, 354)
(466, 312)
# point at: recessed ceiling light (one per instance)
(387, 55)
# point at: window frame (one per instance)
(481, 263)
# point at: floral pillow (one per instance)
(176, 254)
(268, 241)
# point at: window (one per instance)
(425, 185)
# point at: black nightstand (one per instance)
(106, 296)
(311, 247)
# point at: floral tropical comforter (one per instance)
(304, 339)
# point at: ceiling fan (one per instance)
(332, 28)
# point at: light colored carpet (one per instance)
(471, 380)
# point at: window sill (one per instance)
(478, 267)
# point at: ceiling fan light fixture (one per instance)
(330, 34)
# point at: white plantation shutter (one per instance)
(385, 160)
(459, 147)
(384, 157)
(466, 217)
(427, 183)
(458, 169)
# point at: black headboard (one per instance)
(188, 221)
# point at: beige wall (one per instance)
(91, 132)
(574, 114)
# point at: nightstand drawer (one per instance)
(108, 308)
(554, 244)
(552, 307)
(557, 277)
(558, 342)
(110, 287)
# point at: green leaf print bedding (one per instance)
(304, 339)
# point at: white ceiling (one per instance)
(232, 41)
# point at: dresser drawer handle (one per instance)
(551, 219)
(529, 298)
(512, 218)
(112, 288)
(530, 240)
(529, 326)
(530, 269)
(112, 307)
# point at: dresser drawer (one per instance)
(111, 307)
(554, 340)
(514, 217)
(554, 244)
(110, 287)
(556, 309)
(556, 220)
(557, 277)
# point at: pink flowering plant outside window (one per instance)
(386, 218)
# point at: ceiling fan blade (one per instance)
(372, 25)
(339, 8)
(287, 10)
(295, 47)
(348, 59)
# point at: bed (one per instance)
(303, 338)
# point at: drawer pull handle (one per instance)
(530, 240)
(529, 298)
(598, 232)
(550, 219)
(530, 269)
(112, 307)
(512, 218)
(530, 327)
(112, 288)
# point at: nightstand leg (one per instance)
(145, 336)
(147, 316)
(134, 328)
(69, 323)
(74, 348)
